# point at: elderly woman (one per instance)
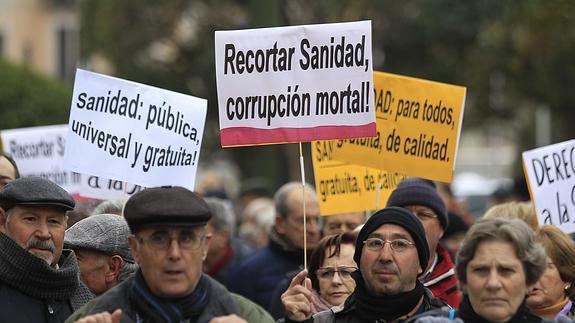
(498, 262)
(330, 268)
(550, 296)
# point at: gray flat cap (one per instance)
(35, 191)
(107, 233)
(168, 205)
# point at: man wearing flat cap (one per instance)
(168, 241)
(100, 243)
(39, 281)
(391, 252)
(420, 196)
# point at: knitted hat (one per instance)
(168, 205)
(419, 191)
(401, 217)
(35, 191)
(456, 225)
(107, 233)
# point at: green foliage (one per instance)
(513, 56)
(28, 99)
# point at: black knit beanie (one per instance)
(401, 217)
(456, 225)
(419, 191)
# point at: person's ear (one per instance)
(206, 246)
(115, 265)
(208, 240)
(280, 224)
(134, 247)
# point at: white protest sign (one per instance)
(107, 189)
(551, 177)
(39, 151)
(297, 83)
(133, 132)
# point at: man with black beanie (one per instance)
(420, 196)
(391, 252)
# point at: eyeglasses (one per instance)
(344, 272)
(397, 245)
(161, 240)
(422, 214)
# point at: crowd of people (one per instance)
(168, 254)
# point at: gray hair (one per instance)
(110, 207)
(515, 231)
(281, 196)
(223, 216)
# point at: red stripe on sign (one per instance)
(245, 136)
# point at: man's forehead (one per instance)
(171, 228)
(390, 229)
(39, 210)
(345, 217)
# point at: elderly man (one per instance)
(8, 170)
(343, 222)
(100, 243)
(421, 198)
(391, 252)
(39, 281)
(224, 251)
(169, 243)
(257, 276)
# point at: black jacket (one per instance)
(348, 313)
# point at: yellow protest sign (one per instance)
(343, 187)
(418, 126)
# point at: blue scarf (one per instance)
(157, 309)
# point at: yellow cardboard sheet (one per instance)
(343, 187)
(418, 127)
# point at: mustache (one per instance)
(387, 266)
(40, 244)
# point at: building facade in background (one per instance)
(41, 34)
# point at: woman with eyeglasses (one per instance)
(330, 268)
